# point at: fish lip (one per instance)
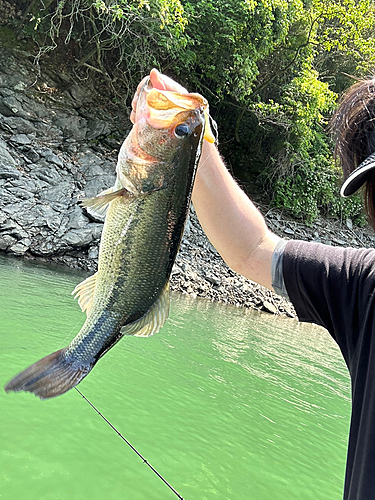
(179, 108)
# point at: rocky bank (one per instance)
(59, 140)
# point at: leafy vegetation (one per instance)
(271, 69)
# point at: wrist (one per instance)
(209, 156)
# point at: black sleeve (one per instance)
(332, 287)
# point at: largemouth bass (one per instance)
(146, 212)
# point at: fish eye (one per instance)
(182, 130)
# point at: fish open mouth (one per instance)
(162, 108)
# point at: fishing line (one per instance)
(129, 444)
(68, 336)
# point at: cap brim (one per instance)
(358, 177)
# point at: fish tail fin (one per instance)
(50, 376)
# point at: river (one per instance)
(226, 403)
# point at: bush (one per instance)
(271, 69)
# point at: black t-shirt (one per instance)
(335, 288)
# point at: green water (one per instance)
(225, 403)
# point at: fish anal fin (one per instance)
(153, 320)
(84, 292)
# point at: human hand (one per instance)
(160, 82)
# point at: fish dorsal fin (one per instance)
(99, 204)
(85, 293)
(153, 320)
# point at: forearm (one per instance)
(232, 223)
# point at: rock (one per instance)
(97, 185)
(214, 280)
(338, 241)
(9, 106)
(21, 139)
(97, 128)
(12, 228)
(6, 241)
(93, 253)
(14, 208)
(78, 238)
(6, 159)
(54, 222)
(267, 306)
(52, 158)
(78, 94)
(59, 194)
(20, 86)
(21, 247)
(96, 230)
(9, 173)
(16, 123)
(44, 247)
(76, 219)
(72, 127)
(20, 193)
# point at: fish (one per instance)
(145, 214)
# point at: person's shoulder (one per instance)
(346, 260)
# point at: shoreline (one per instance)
(59, 144)
(199, 271)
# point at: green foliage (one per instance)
(313, 190)
(120, 40)
(303, 178)
(306, 191)
(349, 208)
(226, 40)
(271, 69)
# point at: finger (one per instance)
(158, 81)
(134, 107)
(141, 83)
(134, 101)
(163, 82)
(135, 98)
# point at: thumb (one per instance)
(163, 82)
(157, 80)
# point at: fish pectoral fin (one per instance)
(153, 320)
(85, 293)
(99, 204)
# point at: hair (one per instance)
(353, 126)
